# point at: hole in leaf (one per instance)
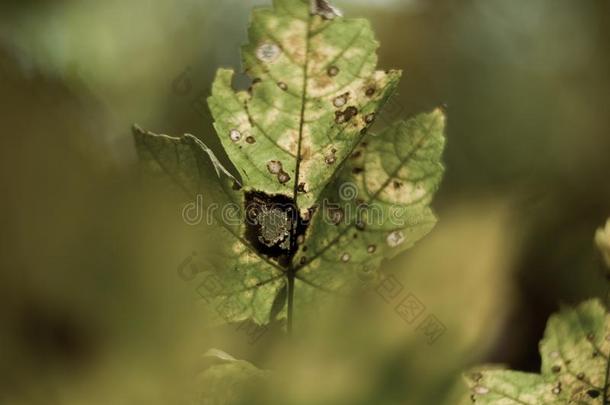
(269, 223)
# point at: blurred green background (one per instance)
(93, 309)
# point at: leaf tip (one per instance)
(136, 130)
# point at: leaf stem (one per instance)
(291, 275)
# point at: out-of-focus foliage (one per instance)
(602, 239)
(94, 310)
(363, 351)
(227, 380)
(575, 362)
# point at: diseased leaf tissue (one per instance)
(321, 201)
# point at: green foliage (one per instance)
(602, 239)
(575, 354)
(228, 380)
(320, 201)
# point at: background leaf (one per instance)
(228, 380)
(575, 362)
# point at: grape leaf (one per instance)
(297, 139)
(575, 354)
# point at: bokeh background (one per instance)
(93, 310)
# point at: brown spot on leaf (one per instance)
(283, 177)
(250, 140)
(339, 117)
(350, 112)
(593, 393)
(235, 135)
(331, 158)
(332, 71)
(268, 52)
(344, 116)
(341, 100)
(274, 166)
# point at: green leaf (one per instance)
(315, 91)
(575, 363)
(296, 139)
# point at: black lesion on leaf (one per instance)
(270, 220)
(593, 393)
(342, 117)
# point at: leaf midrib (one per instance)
(302, 115)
